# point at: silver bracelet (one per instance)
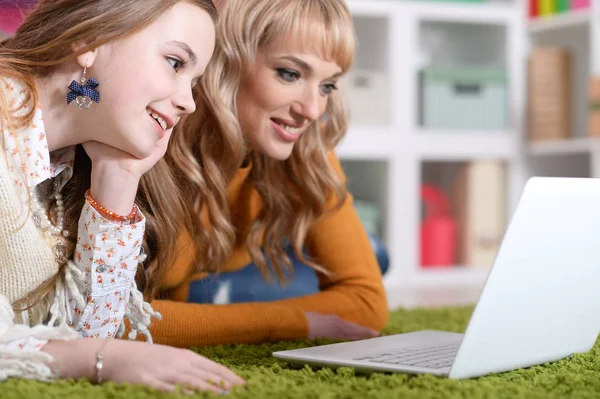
(99, 364)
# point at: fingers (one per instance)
(332, 326)
(352, 331)
(206, 365)
(162, 386)
(194, 382)
(211, 378)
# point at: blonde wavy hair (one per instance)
(301, 190)
(45, 40)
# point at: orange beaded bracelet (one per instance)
(132, 217)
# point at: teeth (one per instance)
(289, 129)
(160, 120)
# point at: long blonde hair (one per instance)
(45, 40)
(300, 191)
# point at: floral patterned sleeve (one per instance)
(106, 259)
(20, 345)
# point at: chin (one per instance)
(140, 151)
(280, 152)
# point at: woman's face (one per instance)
(283, 93)
(146, 79)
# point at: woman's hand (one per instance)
(332, 326)
(134, 362)
(116, 174)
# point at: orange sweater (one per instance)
(338, 242)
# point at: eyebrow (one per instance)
(186, 48)
(306, 66)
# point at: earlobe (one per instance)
(85, 60)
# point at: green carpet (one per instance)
(578, 377)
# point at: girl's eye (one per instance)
(175, 63)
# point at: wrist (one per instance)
(74, 358)
(114, 188)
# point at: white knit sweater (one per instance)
(26, 260)
(85, 293)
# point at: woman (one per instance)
(277, 64)
(89, 95)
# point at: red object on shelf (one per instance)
(533, 8)
(438, 229)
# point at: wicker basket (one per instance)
(549, 103)
(594, 107)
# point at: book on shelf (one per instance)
(550, 88)
(479, 196)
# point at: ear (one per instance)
(86, 60)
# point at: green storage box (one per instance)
(368, 213)
(463, 98)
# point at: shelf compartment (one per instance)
(463, 213)
(367, 181)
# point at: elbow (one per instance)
(380, 314)
(376, 313)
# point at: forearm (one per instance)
(366, 306)
(75, 358)
(105, 259)
(114, 188)
(186, 324)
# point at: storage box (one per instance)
(367, 95)
(479, 194)
(594, 107)
(368, 213)
(464, 98)
(550, 89)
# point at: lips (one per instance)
(286, 132)
(158, 118)
(288, 126)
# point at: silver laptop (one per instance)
(540, 302)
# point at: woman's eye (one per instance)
(328, 88)
(288, 75)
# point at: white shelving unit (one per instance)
(559, 22)
(390, 34)
(580, 155)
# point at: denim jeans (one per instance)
(248, 285)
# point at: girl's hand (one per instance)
(116, 174)
(134, 362)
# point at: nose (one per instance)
(312, 105)
(183, 100)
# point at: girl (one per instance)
(278, 64)
(89, 94)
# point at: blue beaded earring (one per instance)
(83, 93)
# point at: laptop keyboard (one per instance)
(433, 357)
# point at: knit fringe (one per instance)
(21, 363)
(35, 368)
(139, 313)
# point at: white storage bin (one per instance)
(464, 98)
(367, 96)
